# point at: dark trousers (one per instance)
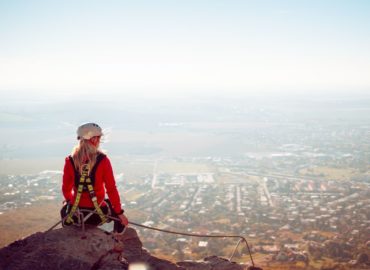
(94, 219)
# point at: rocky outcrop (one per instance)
(70, 248)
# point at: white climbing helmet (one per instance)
(88, 130)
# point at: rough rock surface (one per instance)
(68, 248)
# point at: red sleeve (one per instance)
(110, 186)
(68, 180)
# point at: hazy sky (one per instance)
(164, 46)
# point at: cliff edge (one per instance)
(70, 248)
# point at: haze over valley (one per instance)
(291, 173)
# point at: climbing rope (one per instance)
(241, 238)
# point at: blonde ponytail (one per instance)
(84, 153)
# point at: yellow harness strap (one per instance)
(85, 179)
(95, 200)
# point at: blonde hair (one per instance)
(85, 153)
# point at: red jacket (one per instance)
(104, 181)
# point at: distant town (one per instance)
(292, 178)
(295, 219)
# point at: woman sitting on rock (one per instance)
(87, 176)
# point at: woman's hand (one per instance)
(123, 219)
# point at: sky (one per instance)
(164, 47)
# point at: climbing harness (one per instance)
(86, 184)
